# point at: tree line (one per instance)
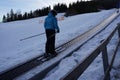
(74, 8)
(27, 15)
(81, 7)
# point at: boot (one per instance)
(47, 55)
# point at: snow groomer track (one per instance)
(37, 68)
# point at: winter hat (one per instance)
(54, 12)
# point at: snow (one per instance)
(14, 51)
(95, 71)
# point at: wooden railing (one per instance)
(101, 49)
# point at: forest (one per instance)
(74, 8)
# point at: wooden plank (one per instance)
(118, 29)
(105, 60)
(78, 70)
(112, 61)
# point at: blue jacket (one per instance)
(51, 22)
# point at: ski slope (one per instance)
(13, 51)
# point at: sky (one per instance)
(27, 5)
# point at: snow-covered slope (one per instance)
(13, 51)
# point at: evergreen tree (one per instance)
(81, 7)
(11, 15)
(8, 17)
(15, 17)
(60, 7)
(31, 15)
(19, 17)
(25, 15)
(4, 19)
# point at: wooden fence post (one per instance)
(105, 60)
(118, 29)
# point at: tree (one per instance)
(31, 15)
(4, 19)
(11, 15)
(25, 15)
(19, 17)
(15, 17)
(8, 17)
(81, 7)
(60, 7)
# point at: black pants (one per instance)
(50, 43)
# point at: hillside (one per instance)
(14, 51)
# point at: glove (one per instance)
(58, 31)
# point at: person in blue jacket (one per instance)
(51, 28)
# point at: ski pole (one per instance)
(31, 36)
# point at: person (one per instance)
(51, 28)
